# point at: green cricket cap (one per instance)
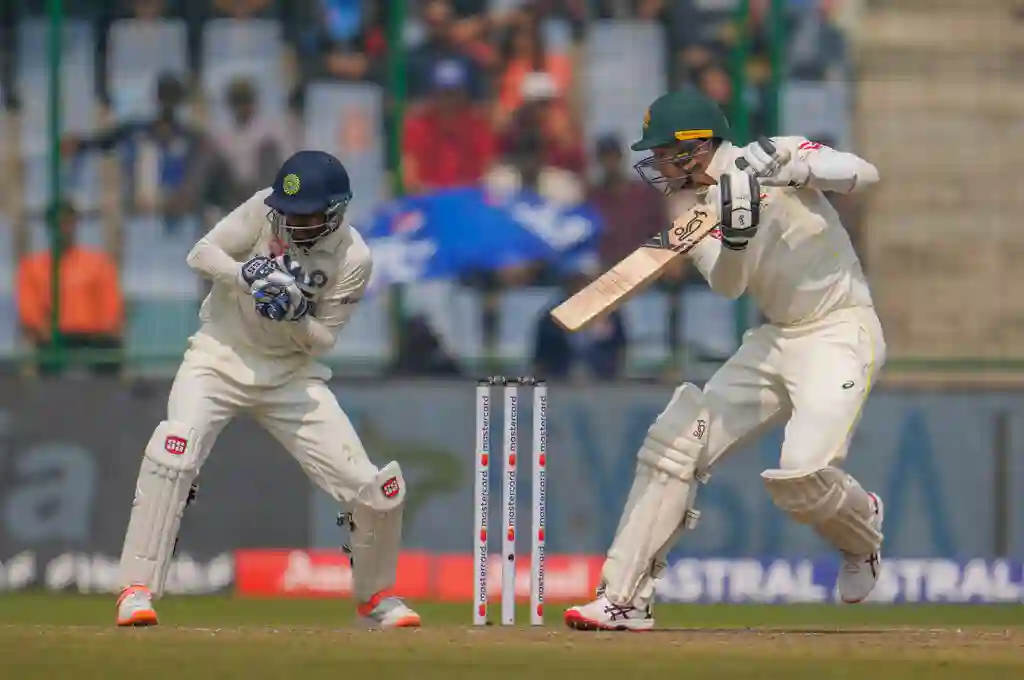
(679, 117)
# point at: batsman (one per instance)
(288, 271)
(810, 366)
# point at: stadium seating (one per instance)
(137, 53)
(8, 309)
(79, 113)
(518, 314)
(253, 49)
(646, 319)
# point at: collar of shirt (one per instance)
(724, 156)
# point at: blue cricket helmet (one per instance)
(309, 184)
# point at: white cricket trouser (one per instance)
(303, 415)
(817, 377)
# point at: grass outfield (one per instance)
(68, 636)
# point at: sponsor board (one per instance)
(793, 581)
(573, 578)
(97, 573)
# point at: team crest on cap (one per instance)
(291, 184)
(647, 119)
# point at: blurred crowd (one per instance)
(495, 95)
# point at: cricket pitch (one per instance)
(72, 636)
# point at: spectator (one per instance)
(714, 81)
(447, 143)
(543, 113)
(598, 352)
(166, 162)
(253, 145)
(523, 166)
(441, 45)
(91, 307)
(817, 46)
(343, 40)
(630, 210)
(422, 352)
(244, 9)
(524, 54)
(8, 27)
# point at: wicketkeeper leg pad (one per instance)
(829, 500)
(169, 468)
(660, 504)
(377, 532)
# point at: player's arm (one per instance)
(216, 256)
(729, 257)
(316, 333)
(726, 271)
(810, 165)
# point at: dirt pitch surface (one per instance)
(56, 637)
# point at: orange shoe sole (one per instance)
(412, 621)
(139, 619)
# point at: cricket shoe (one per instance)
(387, 612)
(135, 607)
(601, 614)
(859, 573)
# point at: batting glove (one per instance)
(772, 167)
(738, 197)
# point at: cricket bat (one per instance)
(616, 286)
(636, 271)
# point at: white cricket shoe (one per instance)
(387, 612)
(601, 614)
(859, 573)
(135, 607)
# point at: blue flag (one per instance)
(449, 233)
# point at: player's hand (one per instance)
(772, 166)
(738, 199)
(256, 269)
(307, 282)
(277, 283)
(273, 307)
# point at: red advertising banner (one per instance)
(447, 578)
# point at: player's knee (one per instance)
(676, 441)
(174, 446)
(385, 491)
(831, 501)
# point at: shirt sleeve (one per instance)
(831, 170)
(216, 255)
(726, 271)
(317, 333)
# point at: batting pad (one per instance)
(377, 533)
(660, 504)
(831, 501)
(161, 492)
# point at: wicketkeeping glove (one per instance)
(256, 269)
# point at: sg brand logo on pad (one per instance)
(390, 488)
(175, 445)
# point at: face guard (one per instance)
(303, 231)
(672, 168)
